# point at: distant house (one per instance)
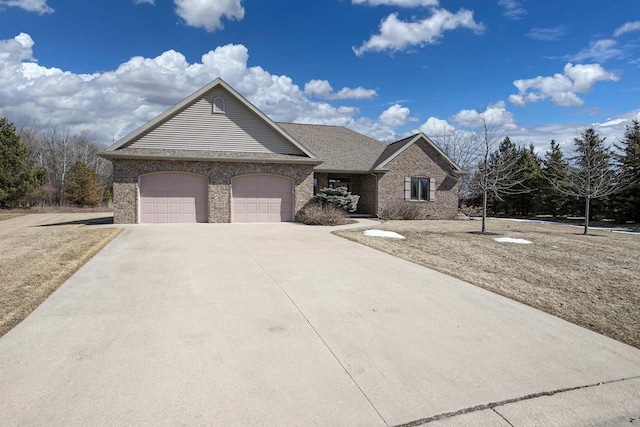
(214, 157)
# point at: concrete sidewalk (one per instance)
(282, 324)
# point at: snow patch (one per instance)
(382, 233)
(512, 240)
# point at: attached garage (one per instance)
(173, 197)
(262, 198)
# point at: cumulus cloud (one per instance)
(561, 89)
(396, 115)
(627, 27)
(398, 35)
(599, 50)
(399, 3)
(434, 127)
(145, 1)
(547, 34)
(110, 104)
(38, 6)
(512, 9)
(208, 14)
(322, 89)
(495, 115)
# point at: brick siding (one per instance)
(420, 160)
(219, 174)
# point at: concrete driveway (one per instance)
(282, 324)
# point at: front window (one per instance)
(340, 182)
(420, 189)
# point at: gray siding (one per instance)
(197, 128)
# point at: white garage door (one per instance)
(262, 198)
(172, 197)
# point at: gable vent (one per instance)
(218, 105)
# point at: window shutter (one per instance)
(407, 188)
(432, 190)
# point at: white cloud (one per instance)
(599, 50)
(110, 104)
(434, 127)
(145, 1)
(38, 6)
(561, 89)
(396, 115)
(512, 9)
(397, 35)
(322, 89)
(547, 34)
(208, 14)
(627, 27)
(495, 115)
(399, 3)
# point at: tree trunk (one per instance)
(586, 214)
(484, 211)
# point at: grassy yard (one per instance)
(593, 281)
(38, 252)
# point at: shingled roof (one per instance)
(341, 149)
(344, 150)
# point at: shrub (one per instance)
(316, 213)
(339, 197)
(471, 211)
(83, 185)
(409, 211)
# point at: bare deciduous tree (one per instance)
(462, 147)
(56, 149)
(498, 173)
(592, 174)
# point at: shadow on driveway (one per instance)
(88, 221)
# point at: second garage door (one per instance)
(262, 198)
(172, 197)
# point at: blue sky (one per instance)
(387, 68)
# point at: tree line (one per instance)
(598, 180)
(46, 167)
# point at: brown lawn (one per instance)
(593, 280)
(38, 252)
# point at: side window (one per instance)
(420, 189)
(218, 104)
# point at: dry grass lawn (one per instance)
(593, 281)
(38, 252)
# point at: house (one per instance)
(214, 157)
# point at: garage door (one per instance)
(171, 197)
(262, 198)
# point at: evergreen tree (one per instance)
(531, 165)
(83, 185)
(554, 170)
(18, 178)
(506, 154)
(592, 175)
(627, 203)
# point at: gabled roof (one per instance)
(341, 149)
(182, 105)
(395, 149)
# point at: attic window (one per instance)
(218, 105)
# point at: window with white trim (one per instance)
(218, 105)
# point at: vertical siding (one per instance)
(198, 128)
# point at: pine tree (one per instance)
(627, 203)
(18, 178)
(83, 185)
(554, 169)
(531, 164)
